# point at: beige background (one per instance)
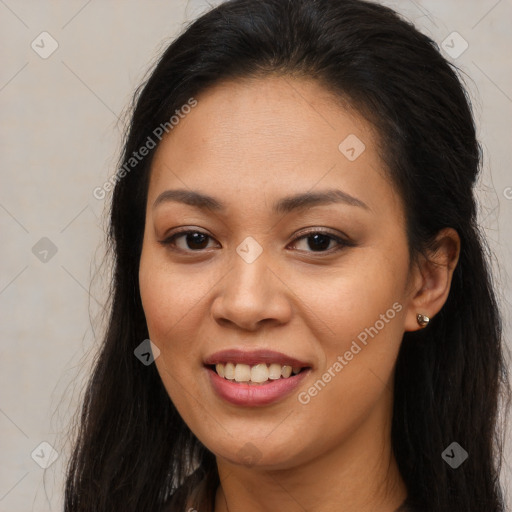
(60, 137)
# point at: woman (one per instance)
(294, 228)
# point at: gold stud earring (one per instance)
(423, 320)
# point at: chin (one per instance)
(263, 454)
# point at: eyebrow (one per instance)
(284, 205)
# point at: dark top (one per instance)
(203, 496)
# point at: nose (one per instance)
(251, 295)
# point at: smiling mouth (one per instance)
(257, 374)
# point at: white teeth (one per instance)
(242, 373)
(274, 372)
(229, 371)
(286, 371)
(257, 373)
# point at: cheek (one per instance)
(364, 308)
(168, 296)
(168, 301)
(355, 380)
(367, 289)
(171, 303)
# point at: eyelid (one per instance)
(341, 240)
(312, 230)
(168, 240)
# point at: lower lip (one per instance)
(254, 395)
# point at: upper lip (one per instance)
(252, 357)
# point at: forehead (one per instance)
(270, 136)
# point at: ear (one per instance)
(432, 277)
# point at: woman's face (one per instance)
(249, 279)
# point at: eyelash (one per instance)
(169, 242)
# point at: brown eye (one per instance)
(317, 241)
(193, 240)
(320, 241)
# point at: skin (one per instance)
(248, 144)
